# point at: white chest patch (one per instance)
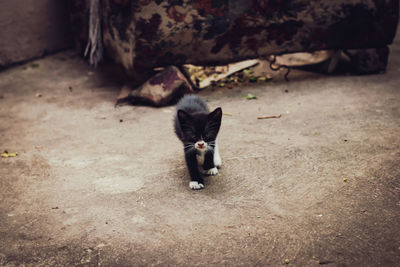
(200, 158)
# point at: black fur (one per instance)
(193, 122)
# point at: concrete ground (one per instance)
(98, 185)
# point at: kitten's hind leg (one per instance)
(217, 157)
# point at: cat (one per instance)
(198, 128)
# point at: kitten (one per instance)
(197, 128)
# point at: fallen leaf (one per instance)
(253, 79)
(248, 71)
(250, 96)
(221, 84)
(34, 65)
(6, 154)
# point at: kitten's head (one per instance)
(200, 129)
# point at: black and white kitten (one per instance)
(198, 128)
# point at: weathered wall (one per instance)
(31, 28)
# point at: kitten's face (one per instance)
(199, 129)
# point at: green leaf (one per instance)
(248, 71)
(253, 79)
(250, 96)
(34, 65)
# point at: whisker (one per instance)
(189, 149)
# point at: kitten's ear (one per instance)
(216, 115)
(214, 122)
(183, 117)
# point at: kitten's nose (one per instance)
(200, 144)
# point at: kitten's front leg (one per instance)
(195, 176)
(217, 157)
(208, 166)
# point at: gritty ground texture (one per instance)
(98, 185)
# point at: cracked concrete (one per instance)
(98, 185)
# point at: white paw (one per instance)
(212, 171)
(195, 185)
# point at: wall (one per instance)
(32, 28)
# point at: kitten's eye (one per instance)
(207, 137)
